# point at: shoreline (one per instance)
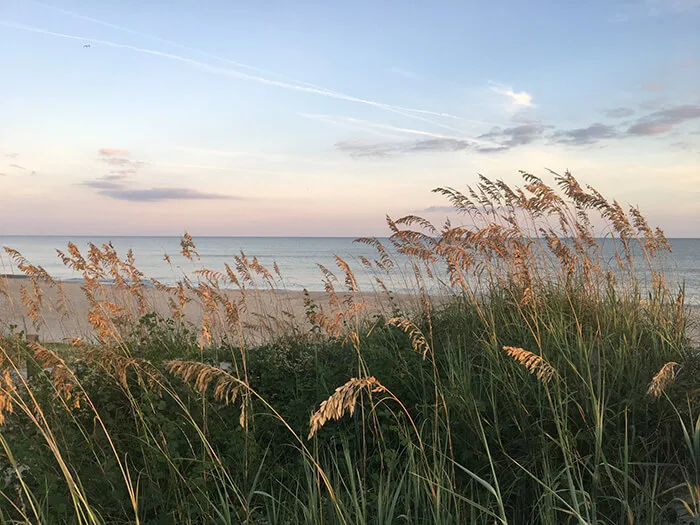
(148, 283)
(285, 305)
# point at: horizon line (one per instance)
(59, 235)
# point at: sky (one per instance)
(259, 117)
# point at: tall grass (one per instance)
(550, 381)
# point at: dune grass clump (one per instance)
(540, 372)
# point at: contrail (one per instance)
(321, 90)
(238, 74)
(369, 126)
(169, 42)
(344, 123)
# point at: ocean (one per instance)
(297, 257)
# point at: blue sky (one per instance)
(311, 118)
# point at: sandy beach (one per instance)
(272, 308)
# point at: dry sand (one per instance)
(55, 326)
(283, 305)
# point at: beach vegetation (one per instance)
(540, 371)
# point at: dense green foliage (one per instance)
(588, 446)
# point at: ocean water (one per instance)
(297, 258)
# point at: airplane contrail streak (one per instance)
(296, 83)
(237, 74)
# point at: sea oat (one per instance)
(342, 401)
(118, 366)
(350, 281)
(7, 390)
(328, 279)
(662, 380)
(201, 376)
(533, 363)
(418, 340)
(188, 248)
(385, 261)
(62, 376)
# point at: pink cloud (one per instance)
(117, 161)
(650, 128)
(124, 163)
(109, 152)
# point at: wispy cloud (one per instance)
(11, 155)
(664, 120)
(405, 73)
(512, 137)
(619, 112)
(655, 123)
(359, 123)
(118, 158)
(18, 167)
(349, 123)
(438, 209)
(619, 18)
(387, 149)
(650, 128)
(518, 98)
(160, 194)
(103, 184)
(654, 8)
(374, 126)
(123, 173)
(120, 187)
(121, 161)
(496, 140)
(682, 146)
(110, 152)
(585, 136)
(660, 7)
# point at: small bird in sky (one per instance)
(86, 45)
